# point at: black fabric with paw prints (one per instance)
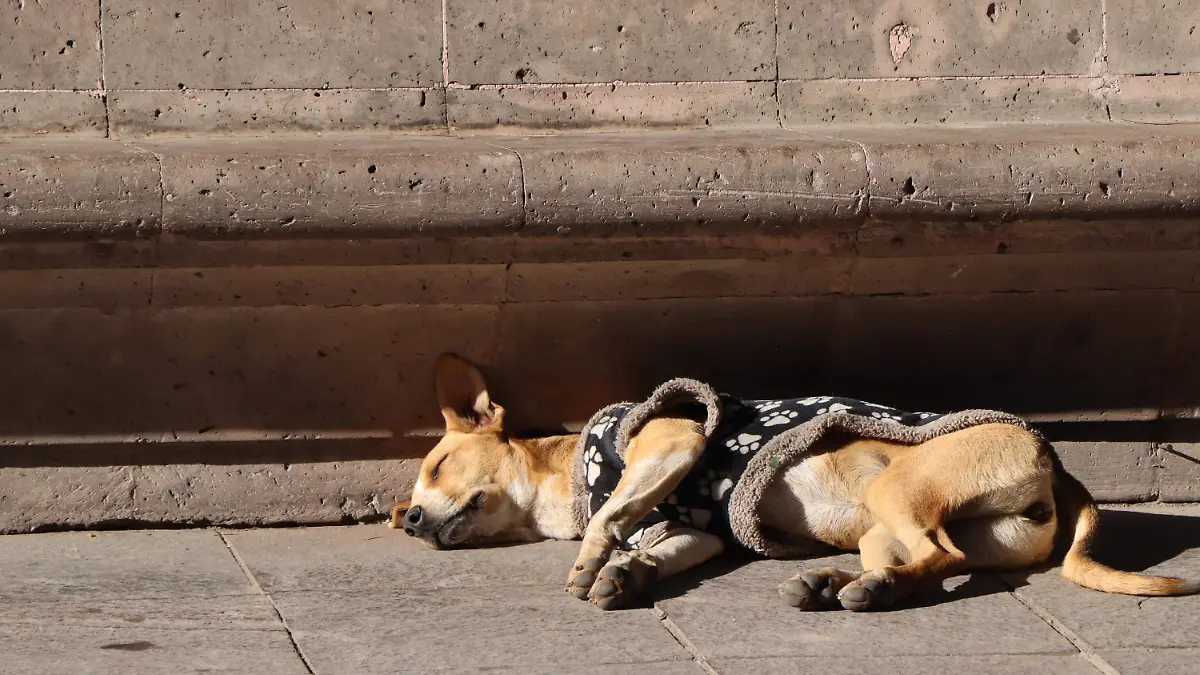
(701, 500)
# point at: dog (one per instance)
(991, 496)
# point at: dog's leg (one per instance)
(629, 573)
(818, 588)
(658, 457)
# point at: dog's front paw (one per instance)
(583, 576)
(873, 590)
(815, 589)
(622, 581)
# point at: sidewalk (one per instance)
(366, 599)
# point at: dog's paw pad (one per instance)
(796, 593)
(581, 579)
(621, 583)
(813, 589)
(873, 590)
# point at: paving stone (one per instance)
(33, 497)
(1162, 540)
(1154, 37)
(1157, 100)
(1113, 472)
(51, 112)
(227, 612)
(337, 558)
(511, 41)
(663, 667)
(979, 613)
(606, 106)
(148, 113)
(883, 38)
(853, 663)
(1158, 662)
(86, 651)
(50, 45)
(527, 627)
(97, 566)
(58, 288)
(202, 45)
(1179, 478)
(818, 102)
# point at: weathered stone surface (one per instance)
(95, 567)
(296, 188)
(333, 559)
(148, 113)
(1154, 37)
(1113, 472)
(1157, 100)
(883, 38)
(94, 651)
(56, 495)
(201, 45)
(66, 188)
(223, 612)
(1182, 368)
(608, 106)
(823, 102)
(1164, 662)
(762, 182)
(1180, 474)
(856, 663)
(530, 627)
(47, 112)
(50, 45)
(102, 289)
(510, 41)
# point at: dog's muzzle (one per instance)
(417, 523)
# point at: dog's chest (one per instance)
(821, 498)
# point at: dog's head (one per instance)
(465, 491)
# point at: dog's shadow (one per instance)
(1127, 540)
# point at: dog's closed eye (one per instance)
(436, 467)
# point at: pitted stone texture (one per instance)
(53, 45)
(529, 627)
(93, 567)
(33, 497)
(57, 288)
(1159, 36)
(245, 44)
(396, 186)
(335, 558)
(93, 651)
(1035, 172)
(51, 112)
(64, 188)
(1157, 540)
(611, 106)
(512, 41)
(859, 663)
(222, 612)
(722, 183)
(1113, 472)
(888, 38)
(1158, 662)
(1180, 473)
(149, 113)
(824, 102)
(1162, 99)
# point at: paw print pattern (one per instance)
(744, 443)
(602, 425)
(767, 406)
(833, 408)
(781, 417)
(714, 484)
(636, 538)
(814, 400)
(886, 417)
(593, 460)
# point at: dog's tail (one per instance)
(1077, 511)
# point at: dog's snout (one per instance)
(414, 517)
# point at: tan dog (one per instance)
(986, 497)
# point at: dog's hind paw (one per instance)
(815, 589)
(581, 579)
(873, 590)
(622, 582)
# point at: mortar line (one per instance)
(778, 103)
(103, 74)
(1085, 649)
(445, 65)
(258, 587)
(683, 640)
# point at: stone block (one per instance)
(1007, 101)
(701, 184)
(887, 38)
(367, 632)
(195, 44)
(1154, 37)
(33, 497)
(611, 106)
(1169, 99)
(333, 559)
(256, 111)
(50, 45)
(221, 612)
(60, 189)
(991, 664)
(1158, 662)
(53, 289)
(320, 187)
(1179, 478)
(50, 112)
(1182, 367)
(512, 41)
(1112, 472)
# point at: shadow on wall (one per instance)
(85, 372)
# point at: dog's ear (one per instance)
(463, 396)
(397, 514)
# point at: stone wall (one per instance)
(129, 68)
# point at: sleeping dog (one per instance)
(659, 487)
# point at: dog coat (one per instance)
(748, 443)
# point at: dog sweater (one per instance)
(748, 442)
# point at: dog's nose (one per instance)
(412, 521)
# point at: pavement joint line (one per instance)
(684, 641)
(254, 582)
(1085, 649)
